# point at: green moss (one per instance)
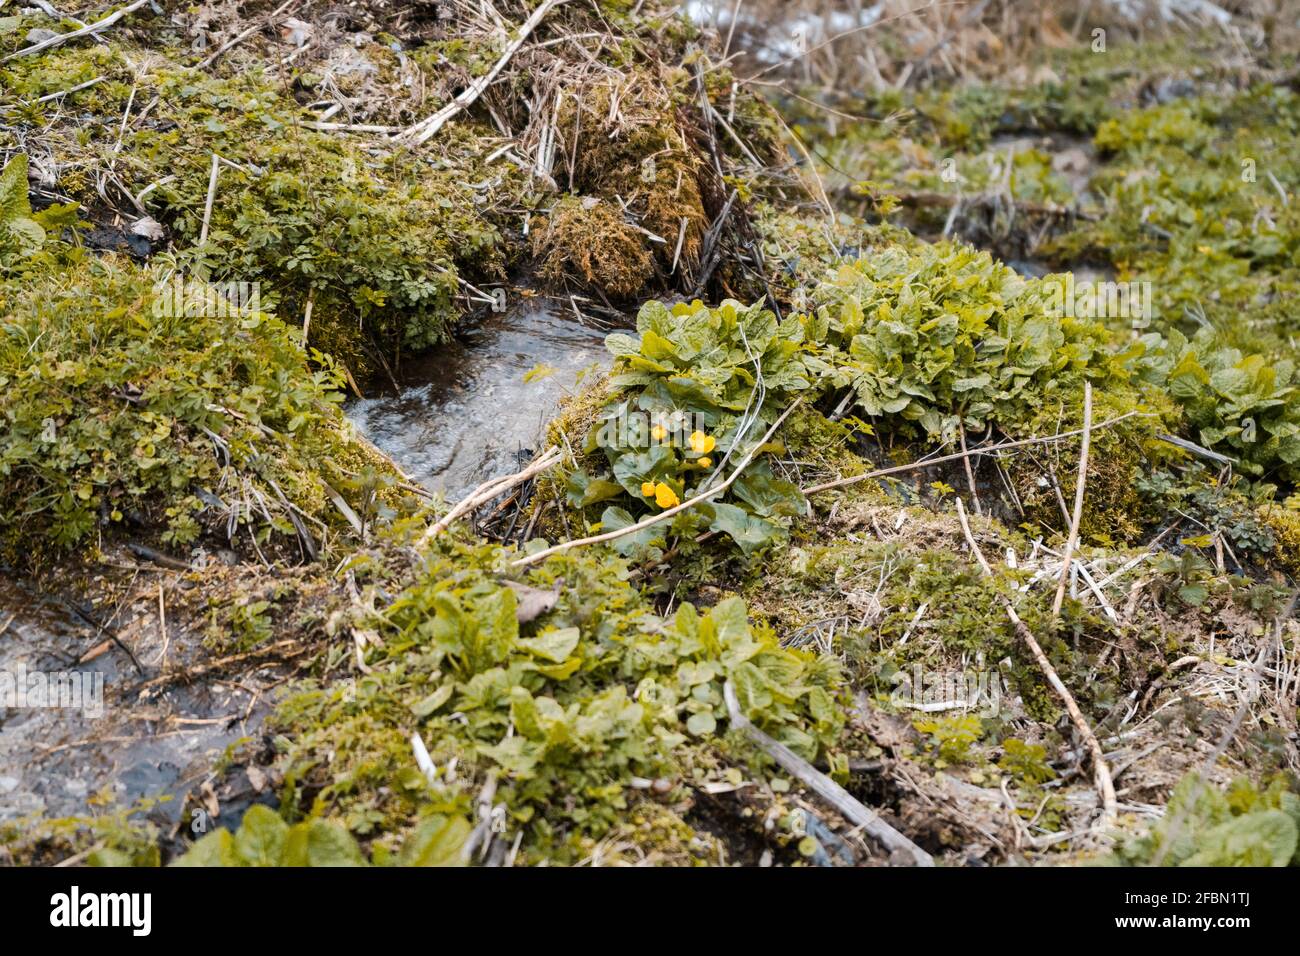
(118, 406)
(375, 240)
(1284, 523)
(588, 240)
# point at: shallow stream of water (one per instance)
(465, 413)
(57, 751)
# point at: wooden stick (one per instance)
(429, 127)
(306, 315)
(926, 463)
(350, 127)
(489, 490)
(1079, 484)
(1105, 785)
(85, 31)
(970, 472)
(68, 92)
(212, 195)
(845, 804)
(663, 515)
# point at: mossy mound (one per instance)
(589, 239)
(558, 709)
(374, 240)
(124, 406)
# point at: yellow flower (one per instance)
(665, 497)
(702, 443)
(658, 433)
(706, 462)
(648, 489)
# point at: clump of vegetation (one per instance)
(951, 738)
(589, 239)
(264, 839)
(929, 343)
(375, 242)
(460, 709)
(105, 836)
(1242, 405)
(685, 404)
(1283, 521)
(1204, 826)
(564, 710)
(946, 338)
(22, 232)
(1026, 762)
(121, 408)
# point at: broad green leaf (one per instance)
(262, 837)
(554, 645)
(437, 841)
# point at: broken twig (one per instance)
(85, 31)
(489, 490)
(1105, 785)
(988, 449)
(1079, 485)
(427, 128)
(845, 804)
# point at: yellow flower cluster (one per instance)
(664, 496)
(700, 444)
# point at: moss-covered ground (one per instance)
(461, 697)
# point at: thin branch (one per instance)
(429, 127)
(489, 490)
(1079, 485)
(212, 195)
(845, 804)
(244, 35)
(1002, 446)
(80, 86)
(85, 31)
(1105, 785)
(970, 472)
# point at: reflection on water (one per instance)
(468, 413)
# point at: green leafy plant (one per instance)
(1247, 406)
(1026, 762)
(951, 738)
(691, 388)
(20, 234)
(942, 337)
(115, 407)
(1203, 826)
(264, 839)
(565, 710)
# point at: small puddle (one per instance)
(465, 413)
(59, 748)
